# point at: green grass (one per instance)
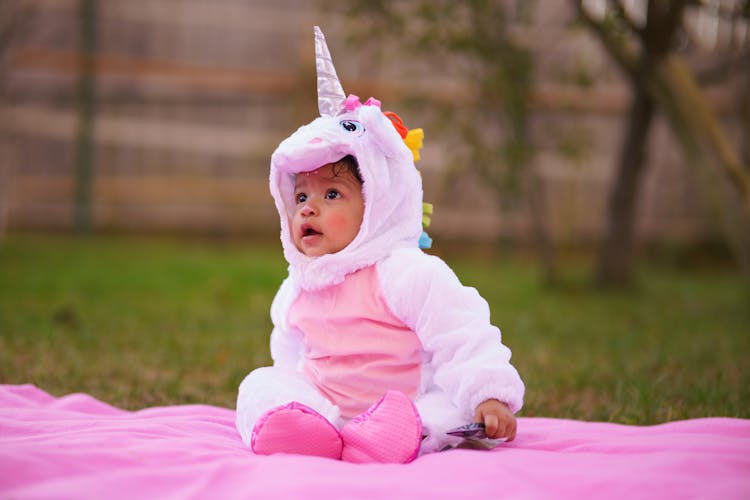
(143, 322)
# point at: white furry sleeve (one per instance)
(469, 360)
(286, 343)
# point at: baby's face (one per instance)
(328, 211)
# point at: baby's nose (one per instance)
(308, 209)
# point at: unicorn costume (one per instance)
(377, 349)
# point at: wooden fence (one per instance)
(193, 96)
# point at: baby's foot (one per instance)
(298, 429)
(389, 432)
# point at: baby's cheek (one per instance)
(337, 221)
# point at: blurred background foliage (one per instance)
(491, 132)
(609, 126)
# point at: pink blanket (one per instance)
(76, 446)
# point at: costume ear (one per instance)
(383, 133)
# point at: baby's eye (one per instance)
(301, 197)
(352, 126)
(332, 194)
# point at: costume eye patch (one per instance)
(352, 126)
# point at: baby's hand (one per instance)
(499, 421)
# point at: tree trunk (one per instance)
(86, 111)
(537, 200)
(672, 89)
(616, 251)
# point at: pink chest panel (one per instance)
(356, 349)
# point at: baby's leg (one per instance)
(269, 387)
(439, 415)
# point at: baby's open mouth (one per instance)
(309, 231)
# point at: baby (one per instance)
(378, 350)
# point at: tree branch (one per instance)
(662, 20)
(623, 14)
(625, 58)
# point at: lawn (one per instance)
(140, 322)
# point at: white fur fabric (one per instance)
(392, 191)
(464, 360)
(467, 358)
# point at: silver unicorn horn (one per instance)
(330, 92)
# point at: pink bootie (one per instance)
(298, 429)
(389, 432)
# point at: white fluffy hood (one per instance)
(392, 190)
